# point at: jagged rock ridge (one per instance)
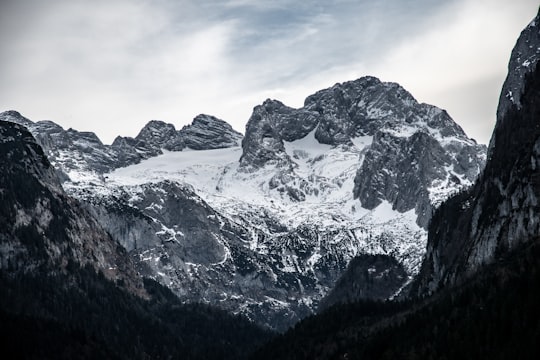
(404, 135)
(208, 132)
(74, 153)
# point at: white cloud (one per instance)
(462, 60)
(110, 66)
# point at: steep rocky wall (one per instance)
(502, 210)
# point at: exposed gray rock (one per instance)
(15, 117)
(164, 214)
(270, 124)
(523, 60)
(153, 137)
(400, 170)
(356, 108)
(208, 132)
(204, 133)
(157, 135)
(68, 149)
(126, 150)
(43, 228)
(414, 145)
(71, 150)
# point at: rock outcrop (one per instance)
(208, 132)
(78, 155)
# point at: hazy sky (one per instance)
(110, 66)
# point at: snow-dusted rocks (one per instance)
(205, 132)
(68, 150)
(410, 172)
(157, 135)
(267, 229)
(81, 156)
(415, 151)
(270, 124)
(208, 132)
(146, 216)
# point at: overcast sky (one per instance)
(110, 66)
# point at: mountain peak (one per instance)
(523, 60)
(271, 104)
(400, 131)
(13, 113)
(15, 117)
(156, 130)
(204, 119)
(208, 132)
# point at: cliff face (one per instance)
(208, 132)
(43, 228)
(502, 209)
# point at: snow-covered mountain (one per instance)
(76, 153)
(402, 152)
(266, 229)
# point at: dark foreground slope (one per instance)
(69, 291)
(482, 268)
(84, 315)
(502, 209)
(494, 315)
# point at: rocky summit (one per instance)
(412, 153)
(208, 132)
(265, 225)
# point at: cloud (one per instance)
(113, 66)
(110, 66)
(461, 61)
